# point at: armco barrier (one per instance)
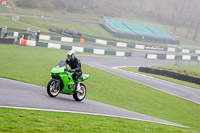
(79, 49)
(112, 43)
(170, 74)
(173, 57)
(7, 40)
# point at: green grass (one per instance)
(90, 29)
(18, 25)
(33, 65)
(17, 120)
(57, 13)
(3, 9)
(190, 70)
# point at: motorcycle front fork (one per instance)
(77, 86)
(57, 83)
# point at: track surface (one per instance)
(18, 94)
(109, 64)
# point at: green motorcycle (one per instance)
(63, 83)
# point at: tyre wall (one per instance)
(171, 74)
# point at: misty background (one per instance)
(177, 13)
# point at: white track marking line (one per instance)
(118, 67)
(152, 86)
(87, 113)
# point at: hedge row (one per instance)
(170, 74)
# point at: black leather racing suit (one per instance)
(76, 65)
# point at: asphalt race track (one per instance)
(110, 64)
(15, 94)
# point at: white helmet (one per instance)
(70, 55)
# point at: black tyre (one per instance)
(79, 96)
(51, 88)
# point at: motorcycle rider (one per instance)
(75, 65)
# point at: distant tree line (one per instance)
(178, 13)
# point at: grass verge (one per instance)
(90, 29)
(18, 25)
(33, 65)
(17, 120)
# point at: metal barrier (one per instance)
(7, 40)
(170, 74)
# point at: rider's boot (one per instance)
(77, 86)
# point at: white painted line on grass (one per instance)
(156, 87)
(118, 67)
(87, 113)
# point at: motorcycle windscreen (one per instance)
(61, 63)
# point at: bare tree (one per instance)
(182, 5)
(142, 4)
(157, 9)
(196, 32)
(196, 28)
(175, 9)
(94, 4)
(190, 27)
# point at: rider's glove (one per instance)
(72, 70)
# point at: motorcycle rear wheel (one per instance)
(79, 96)
(51, 88)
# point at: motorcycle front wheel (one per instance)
(79, 96)
(51, 88)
